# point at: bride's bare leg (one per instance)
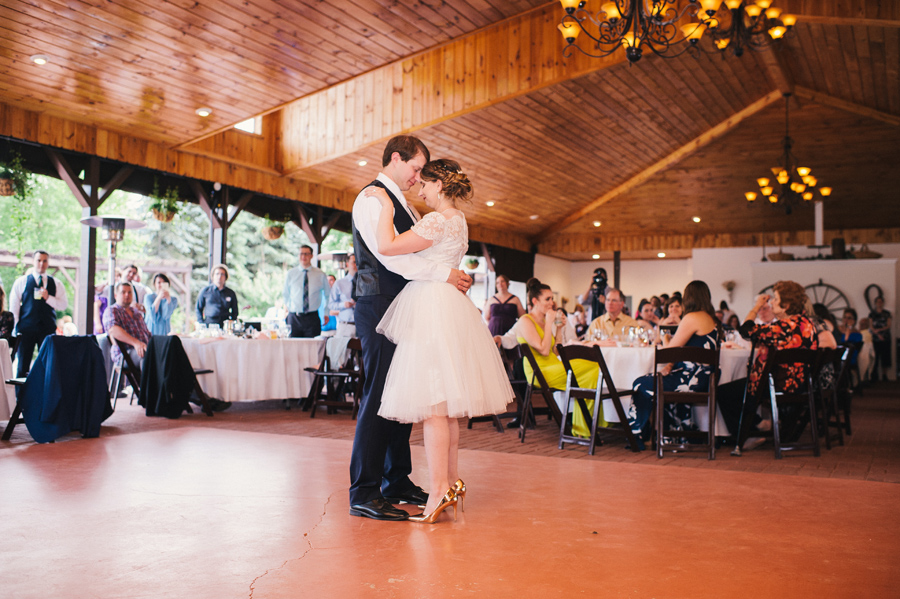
(453, 457)
(437, 441)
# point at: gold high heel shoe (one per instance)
(447, 500)
(459, 487)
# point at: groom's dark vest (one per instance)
(372, 277)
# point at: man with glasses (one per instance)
(306, 289)
(614, 322)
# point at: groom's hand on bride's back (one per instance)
(460, 279)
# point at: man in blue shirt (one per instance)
(306, 289)
(217, 303)
(342, 302)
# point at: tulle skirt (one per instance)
(446, 362)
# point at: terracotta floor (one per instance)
(253, 503)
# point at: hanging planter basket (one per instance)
(163, 216)
(272, 233)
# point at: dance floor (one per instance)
(193, 511)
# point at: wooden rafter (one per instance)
(670, 160)
(827, 100)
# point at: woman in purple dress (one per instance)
(501, 311)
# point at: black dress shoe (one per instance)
(218, 405)
(378, 509)
(514, 423)
(414, 496)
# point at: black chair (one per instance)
(844, 385)
(16, 416)
(574, 390)
(328, 386)
(509, 358)
(827, 396)
(803, 400)
(528, 409)
(124, 368)
(13, 344)
(696, 355)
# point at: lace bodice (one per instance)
(450, 237)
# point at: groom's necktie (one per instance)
(305, 290)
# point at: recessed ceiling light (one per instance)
(696, 219)
(661, 255)
(40, 59)
(596, 256)
(363, 162)
(534, 217)
(204, 111)
(597, 223)
(489, 204)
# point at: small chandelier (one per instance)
(792, 185)
(640, 24)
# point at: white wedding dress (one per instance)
(446, 362)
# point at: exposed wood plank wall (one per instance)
(585, 243)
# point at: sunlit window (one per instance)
(250, 125)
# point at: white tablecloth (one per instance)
(247, 369)
(628, 363)
(7, 392)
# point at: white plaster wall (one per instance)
(639, 278)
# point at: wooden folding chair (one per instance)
(803, 399)
(124, 367)
(844, 386)
(697, 355)
(509, 357)
(828, 397)
(16, 417)
(574, 390)
(328, 387)
(528, 410)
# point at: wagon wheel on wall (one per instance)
(823, 293)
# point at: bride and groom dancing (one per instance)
(427, 355)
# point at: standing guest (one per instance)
(867, 353)
(880, 326)
(306, 290)
(34, 300)
(7, 320)
(503, 309)
(791, 329)
(216, 302)
(594, 298)
(614, 321)
(727, 312)
(342, 302)
(159, 306)
(698, 328)
(380, 463)
(674, 310)
(132, 275)
(331, 280)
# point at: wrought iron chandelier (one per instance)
(637, 25)
(792, 185)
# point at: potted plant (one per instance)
(164, 207)
(273, 229)
(472, 263)
(16, 184)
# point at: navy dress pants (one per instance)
(380, 463)
(28, 340)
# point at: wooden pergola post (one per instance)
(215, 205)
(88, 193)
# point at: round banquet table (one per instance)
(628, 363)
(249, 369)
(7, 392)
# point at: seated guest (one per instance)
(674, 310)
(125, 324)
(727, 313)
(216, 302)
(791, 329)
(577, 321)
(341, 304)
(698, 328)
(159, 306)
(614, 321)
(540, 329)
(847, 332)
(734, 323)
(825, 323)
(658, 304)
(502, 309)
(646, 315)
(7, 321)
(765, 315)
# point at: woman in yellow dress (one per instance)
(531, 329)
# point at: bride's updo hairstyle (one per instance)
(456, 186)
(534, 289)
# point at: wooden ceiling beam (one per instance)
(828, 100)
(842, 12)
(673, 158)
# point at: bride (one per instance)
(446, 365)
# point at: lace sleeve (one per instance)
(430, 227)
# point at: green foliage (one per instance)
(166, 203)
(18, 215)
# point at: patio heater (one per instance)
(113, 232)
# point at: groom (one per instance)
(380, 463)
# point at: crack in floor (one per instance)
(307, 536)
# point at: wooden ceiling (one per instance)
(555, 143)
